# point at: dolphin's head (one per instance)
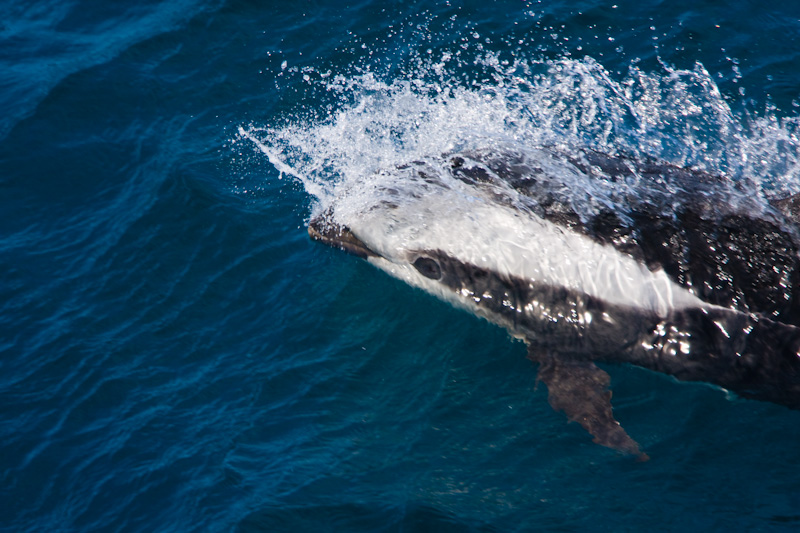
(429, 266)
(413, 254)
(451, 227)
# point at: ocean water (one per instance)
(177, 355)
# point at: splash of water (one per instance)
(454, 102)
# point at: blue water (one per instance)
(178, 356)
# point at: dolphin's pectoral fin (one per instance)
(580, 390)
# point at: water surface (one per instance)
(177, 355)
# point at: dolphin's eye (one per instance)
(428, 267)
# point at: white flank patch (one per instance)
(463, 223)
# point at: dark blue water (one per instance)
(177, 355)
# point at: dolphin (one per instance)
(590, 258)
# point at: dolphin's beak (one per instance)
(323, 229)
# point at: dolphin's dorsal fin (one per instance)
(580, 390)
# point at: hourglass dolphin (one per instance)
(589, 258)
